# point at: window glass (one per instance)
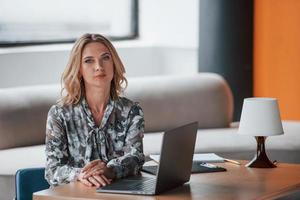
(44, 21)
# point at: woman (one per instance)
(93, 135)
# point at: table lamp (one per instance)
(260, 118)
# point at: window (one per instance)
(55, 21)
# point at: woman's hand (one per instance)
(96, 173)
(94, 180)
(94, 168)
(98, 167)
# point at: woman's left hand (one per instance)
(97, 167)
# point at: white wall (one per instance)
(171, 23)
(168, 44)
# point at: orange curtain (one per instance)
(277, 54)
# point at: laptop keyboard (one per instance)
(148, 184)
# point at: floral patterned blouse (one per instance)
(73, 139)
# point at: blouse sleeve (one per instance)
(57, 170)
(133, 159)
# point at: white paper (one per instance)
(203, 157)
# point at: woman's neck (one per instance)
(97, 98)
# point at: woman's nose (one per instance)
(98, 66)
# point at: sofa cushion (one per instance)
(22, 157)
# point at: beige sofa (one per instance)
(167, 101)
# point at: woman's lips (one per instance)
(100, 75)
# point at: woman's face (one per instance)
(96, 65)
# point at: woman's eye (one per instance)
(88, 61)
(107, 57)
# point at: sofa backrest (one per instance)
(167, 101)
(23, 114)
(170, 101)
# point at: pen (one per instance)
(232, 161)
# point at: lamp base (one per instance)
(261, 159)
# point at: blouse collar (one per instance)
(107, 112)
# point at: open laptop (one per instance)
(174, 166)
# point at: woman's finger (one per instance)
(92, 172)
(96, 167)
(86, 182)
(90, 165)
(99, 165)
(95, 170)
(100, 180)
(94, 164)
(87, 167)
(105, 179)
(98, 172)
(94, 181)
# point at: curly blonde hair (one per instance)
(73, 86)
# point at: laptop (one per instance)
(174, 167)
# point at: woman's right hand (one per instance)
(94, 180)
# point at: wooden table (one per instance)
(238, 182)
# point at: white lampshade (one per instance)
(260, 117)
